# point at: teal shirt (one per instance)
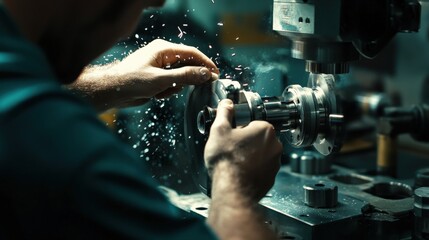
(63, 174)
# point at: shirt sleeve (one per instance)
(68, 176)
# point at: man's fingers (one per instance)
(224, 116)
(187, 55)
(187, 76)
(261, 130)
(169, 53)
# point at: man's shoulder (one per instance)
(18, 94)
(39, 120)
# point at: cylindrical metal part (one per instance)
(321, 195)
(422, 178)
(283, 115)
(386, 155)
(399, 120)
(324, 56)
(421, 113)
(306, 132)
(310, 163)
(205, 120)
(336, 119)
(206, 117)
(242, 114)
(421, 213)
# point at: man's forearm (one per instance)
(93, 85)
(233, 213)
(103, 88)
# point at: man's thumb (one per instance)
(224, 115)
(190, 75)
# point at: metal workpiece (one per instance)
(283, 115)
(205, 119)
(306, 115)
(421, 213)
(421, 202)
(320, 114)
(304, 134)
(321, 195)
(310, 163)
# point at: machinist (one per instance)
(64, 175)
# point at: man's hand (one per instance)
(243, 163)
(253, 152)
(159, 70)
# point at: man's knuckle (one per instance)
(269, 129)
(189, 74)
(158, 41)
(194, 49)
(219, 125)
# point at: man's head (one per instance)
(74, 32)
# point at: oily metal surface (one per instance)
(368, 207)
